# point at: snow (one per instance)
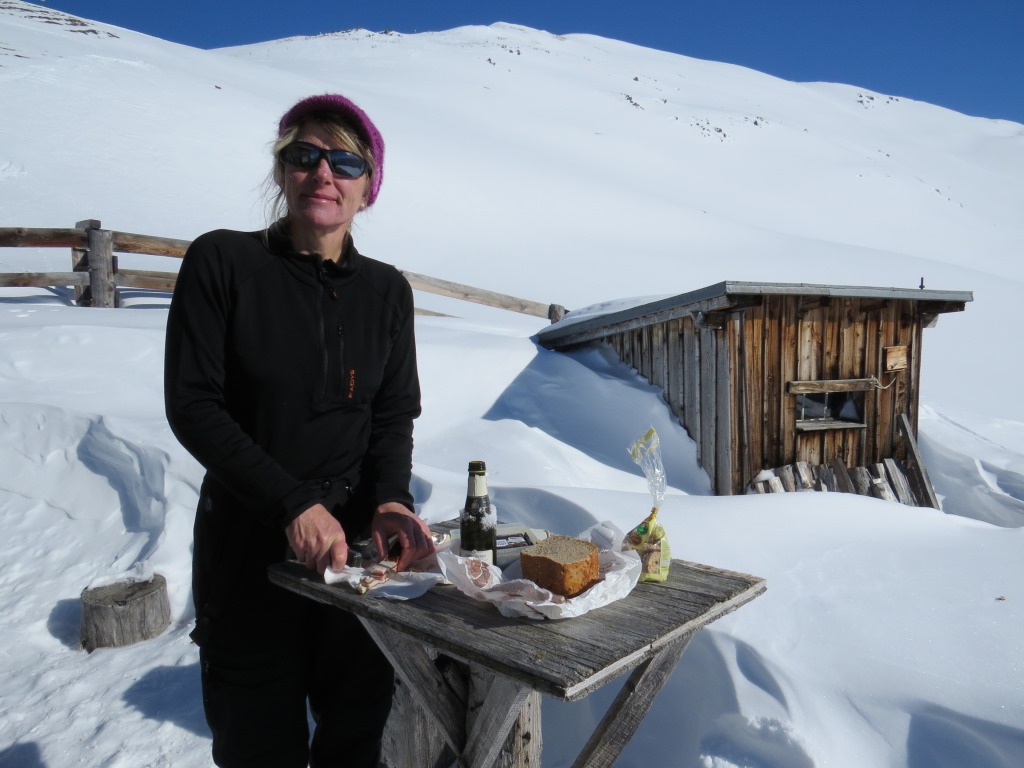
(889, 635)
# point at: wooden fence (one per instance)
(96, 276)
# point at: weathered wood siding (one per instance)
(726, 379)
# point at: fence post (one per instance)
(101, 263)
(80, 263)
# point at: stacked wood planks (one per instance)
(884, 480)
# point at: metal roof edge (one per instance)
(743, 288)
(680, 304)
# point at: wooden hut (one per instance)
(767, 375)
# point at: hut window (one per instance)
(837, 404)
(846, 407)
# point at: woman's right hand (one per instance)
(317, 539)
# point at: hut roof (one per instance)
(597, 322)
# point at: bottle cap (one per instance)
(477, 467)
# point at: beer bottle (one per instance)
(478, 521)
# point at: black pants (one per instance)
(255, 691)
(266, 652)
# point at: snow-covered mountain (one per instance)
(569, 169)
(507, 146)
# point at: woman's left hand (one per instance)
(394, 520)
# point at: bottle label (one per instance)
(480, 511)
(478, 529)
(477, 486)
(487, 555)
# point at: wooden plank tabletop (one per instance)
(565, 658)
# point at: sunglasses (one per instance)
(307, 156)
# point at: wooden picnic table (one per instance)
(645, 632)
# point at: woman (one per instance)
(290, 375)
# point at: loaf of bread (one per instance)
(561, 564)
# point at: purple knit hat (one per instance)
(352, 115)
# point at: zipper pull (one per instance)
(324, 279)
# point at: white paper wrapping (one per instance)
(515, 596)
(407, 585)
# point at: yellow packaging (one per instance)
(648, 539)
(650, 542)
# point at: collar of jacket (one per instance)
(280, 244)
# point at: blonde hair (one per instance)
(339, 131)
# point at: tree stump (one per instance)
(124, 613)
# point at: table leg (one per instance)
(417, 670)
(499, 709)
(498, 712)
(629, 708)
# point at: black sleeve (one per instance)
(388, 462)
(194, 400)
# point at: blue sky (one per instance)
(967, 55)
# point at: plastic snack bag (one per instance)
(648, 539)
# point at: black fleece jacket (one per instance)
(289, 377)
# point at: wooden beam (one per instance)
(708, 405)
(494, 712)
(861, 481)
(830, 385)
(476, 295)
(941, 307)
(102, 267)
(844, 483)
(880, 489)
(899, 483)
(42, 279)
(787, 476)
(820, 425)
(42, 236)
(917, 474)
(127, 242)
(139, 278)
(826, 479)
(724, 445)
(713, 321)
(805, 474)
(629, 708)
(416, 668)
(605, 326)
(811, 303)
(80, 260)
